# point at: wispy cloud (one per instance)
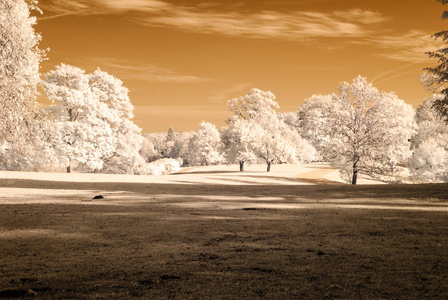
(128, 70)
(392, 73)
(296, 25)
(409, 46)
(359, 26)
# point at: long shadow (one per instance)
(319, 181)
(218, 172)
(384, 191)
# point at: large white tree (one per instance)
(92, 117)
(20, 58)
(78, 134)
(365, 130)
(116, 109)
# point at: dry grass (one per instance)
(164, 241)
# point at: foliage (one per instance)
(20, 58)
(92, 118)
(360, 129)
(256, 130)
(437, 78)
(238, 142)
(163, 166)
(430, 159)
(205, 146)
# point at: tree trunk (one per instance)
(355, 175)
(241, 166)
(269, 167)
(69, 166)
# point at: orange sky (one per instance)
(182, 60)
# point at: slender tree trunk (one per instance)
(355, 174)
(355, 169)
(241, 166)
(269, 167)
(69, 169)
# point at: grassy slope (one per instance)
(224, 241)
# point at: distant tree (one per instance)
(148, 151)
(180, 148)
(238, 141)
(20, 58)
(429, 163)
(205, 146)
(438, 75)
(169, 143)
(255, 104)
(312, 118)
(170, 136)
(290, 119)
(269, 139)
(366, 131)
(158, 139)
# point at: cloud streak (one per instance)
(410, 46)
(128, 70)
(294, 25)
(355, 26)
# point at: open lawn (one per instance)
(218, 234)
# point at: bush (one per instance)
(164, 166)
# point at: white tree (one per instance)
(367, 131)
(238, 142)
(77, 129)
(313, 117)
(93, 121)
(20, 58)
(269, 139)
(429, 162)
(205, 146)
(179, 150)
(273, 142)
(116, 109)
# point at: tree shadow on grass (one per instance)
(319, 181)
(433, 192)
(203, 172)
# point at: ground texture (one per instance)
(222, 241)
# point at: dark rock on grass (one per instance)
(98, 197)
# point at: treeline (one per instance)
(90, 128)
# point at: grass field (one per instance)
(214, 234)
